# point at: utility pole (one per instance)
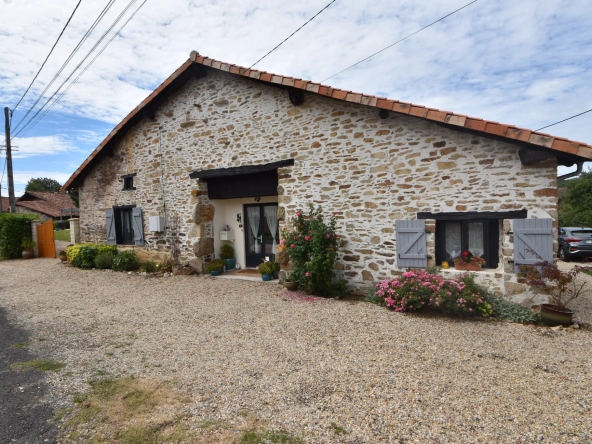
(9, 161)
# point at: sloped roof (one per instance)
(45, 202)
(507, 132)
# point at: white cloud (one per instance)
(41, 146)
(523, 63)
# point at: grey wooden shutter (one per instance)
(138, 226)
(111, 237)
(411, 244)
(533, 242)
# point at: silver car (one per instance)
(575, 243)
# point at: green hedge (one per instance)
(13, 229)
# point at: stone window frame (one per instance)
(128, 182)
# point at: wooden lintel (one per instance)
(528, 156)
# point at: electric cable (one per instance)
(72, 54)
(564, 120)
(29, 124)
(287, 38)
(46, 58)
(399, 41)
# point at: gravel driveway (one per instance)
(302, 364)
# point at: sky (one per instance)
(526, 63)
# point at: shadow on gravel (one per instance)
(23, 419)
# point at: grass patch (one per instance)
(268, 436)
(19, 345)
(44, 365)
(127, 411)
(337, 429)
(62, 235)
(588, 272)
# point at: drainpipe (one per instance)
(577, 172)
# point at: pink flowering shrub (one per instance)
(313, 247)
(418, 290)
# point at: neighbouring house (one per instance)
(220, 146)
(4, 204)
(47, 205)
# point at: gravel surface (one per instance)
(301, 363)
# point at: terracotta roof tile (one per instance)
(4, 204)
(45, 202)
(487, 127)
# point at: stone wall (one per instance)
(371, 171)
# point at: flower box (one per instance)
(471, 266)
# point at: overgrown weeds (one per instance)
(44, 365)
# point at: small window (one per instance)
(124, 227)
(480, 237)
(128, 182)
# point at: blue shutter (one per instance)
(138, 226)
(111, 237)
(533, 242)
(412, 249)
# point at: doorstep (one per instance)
(236, 274)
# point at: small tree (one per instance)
(43, 184)
(312, 246)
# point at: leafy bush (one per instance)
(373, 298)
(28, 243)
(126, 261)
(104, 261)
(215, 265)
(74, 250)
(266, 267)
(418, 290)
(165, 266)
(312, 246)
(148, 266)
(226, 251)
(510, 311)
(85, 257)
(13, 229)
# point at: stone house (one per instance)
(46, 204)
(220, 153)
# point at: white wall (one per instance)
(225, 214)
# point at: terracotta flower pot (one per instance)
(554, 315)
(471, 266)
(27, 254)
(63, 258)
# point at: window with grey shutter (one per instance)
(533, 241)
(110, 221)
(412, 249)
(138, 226)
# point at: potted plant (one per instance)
(290, 283)
(215, 267)
(266, 269)
(63, 256)
(227, 253)
(562, 287)
(466, 261)
(28, 246)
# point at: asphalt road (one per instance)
(23, 419)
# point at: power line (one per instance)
(72, 54)
(399, 41)
(287, 38)
(30, 124)
(45, 61)
(561, 121)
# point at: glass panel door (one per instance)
(258, 235)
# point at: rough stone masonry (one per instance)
(371, 171)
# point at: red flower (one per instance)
(465, 254)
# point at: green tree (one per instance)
(576, 209)
(43, 184)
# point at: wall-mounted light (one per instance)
(239, 218)
(257, 199)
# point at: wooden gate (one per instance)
(45, 239)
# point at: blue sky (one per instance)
(525, 63)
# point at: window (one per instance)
(124, 225)
(478, 236)
(128, 182)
